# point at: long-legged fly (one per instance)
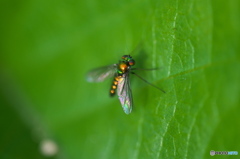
(121, 82)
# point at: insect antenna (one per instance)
(145, 69)
(148, 82)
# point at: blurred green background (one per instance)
(48, 110)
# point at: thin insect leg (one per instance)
(145, 69)
(148, 82)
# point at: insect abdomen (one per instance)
(114, 86)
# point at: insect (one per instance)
(121, 82)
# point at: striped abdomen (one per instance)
(114, 85)
(122, 68)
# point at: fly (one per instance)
(121, 82)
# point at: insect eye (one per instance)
(124, 57)
(131, 62)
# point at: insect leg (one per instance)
(148, 82)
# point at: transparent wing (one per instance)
(125, 93)
(101, 73)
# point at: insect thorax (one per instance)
(123, 67)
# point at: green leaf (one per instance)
(48, 47)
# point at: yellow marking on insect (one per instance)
(115, 82)
(112, 91)
(123, 67)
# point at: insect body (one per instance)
(121, 82)
(123, 68)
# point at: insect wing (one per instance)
(125, 93)
(102, 73)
